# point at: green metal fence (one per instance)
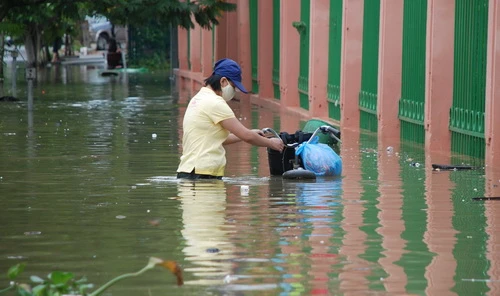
(412, 102)
(469, 81)
(276, 48)
(334, 59)
(254, 43)
(304, 27)
(369, 71)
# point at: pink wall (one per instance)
(389, 70)
(439, 78)
(207, 53)
(265, 48)
(318, 58)
(290, 54)
(183, 49)
(195, 49)
(492, 122)
(350, 79)
(243, 56)
(493, 143)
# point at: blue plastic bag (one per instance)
(319, 158)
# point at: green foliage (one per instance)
(63, 283)
(57, 283)
(11, 29)
(163, 12)
(148, 46)
(53, 18)
(15, 270)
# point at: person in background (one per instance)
(114, 55)
(56, 46)
(113, 46)
(209, 125)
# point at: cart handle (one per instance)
(270, 130)
(326, 129)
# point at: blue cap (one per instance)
(231, 70)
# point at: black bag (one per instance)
(280, 162)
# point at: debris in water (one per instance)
(244, 189)
(486, 198)
(480, 280)
(154, 222)
(229, 278)
(32, 233)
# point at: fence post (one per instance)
(350, 69)
(492, 110)
(318, 59)
(389, 70)
(439, 77)
(289, 55)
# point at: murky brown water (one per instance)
(86, 188)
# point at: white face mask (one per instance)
(228, 92)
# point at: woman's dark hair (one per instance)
(214, 82)
(113, 46)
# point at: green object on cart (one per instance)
(313, 124)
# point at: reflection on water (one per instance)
(203, 205)
(85, 187)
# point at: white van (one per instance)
(100, 33)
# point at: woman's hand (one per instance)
(253, 137)
(258, 131)
(277, 144)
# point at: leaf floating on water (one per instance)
(15, 270)
(121, 217)
(175, 269)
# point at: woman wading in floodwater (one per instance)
(210, 124)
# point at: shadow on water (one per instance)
(87, 185)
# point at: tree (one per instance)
(166, 12)
(44, 19)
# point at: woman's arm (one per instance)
(231, 139)
(240, 132)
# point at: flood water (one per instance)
(86, 187)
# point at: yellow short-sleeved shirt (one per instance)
(203, 135)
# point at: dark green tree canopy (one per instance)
(132, 12)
